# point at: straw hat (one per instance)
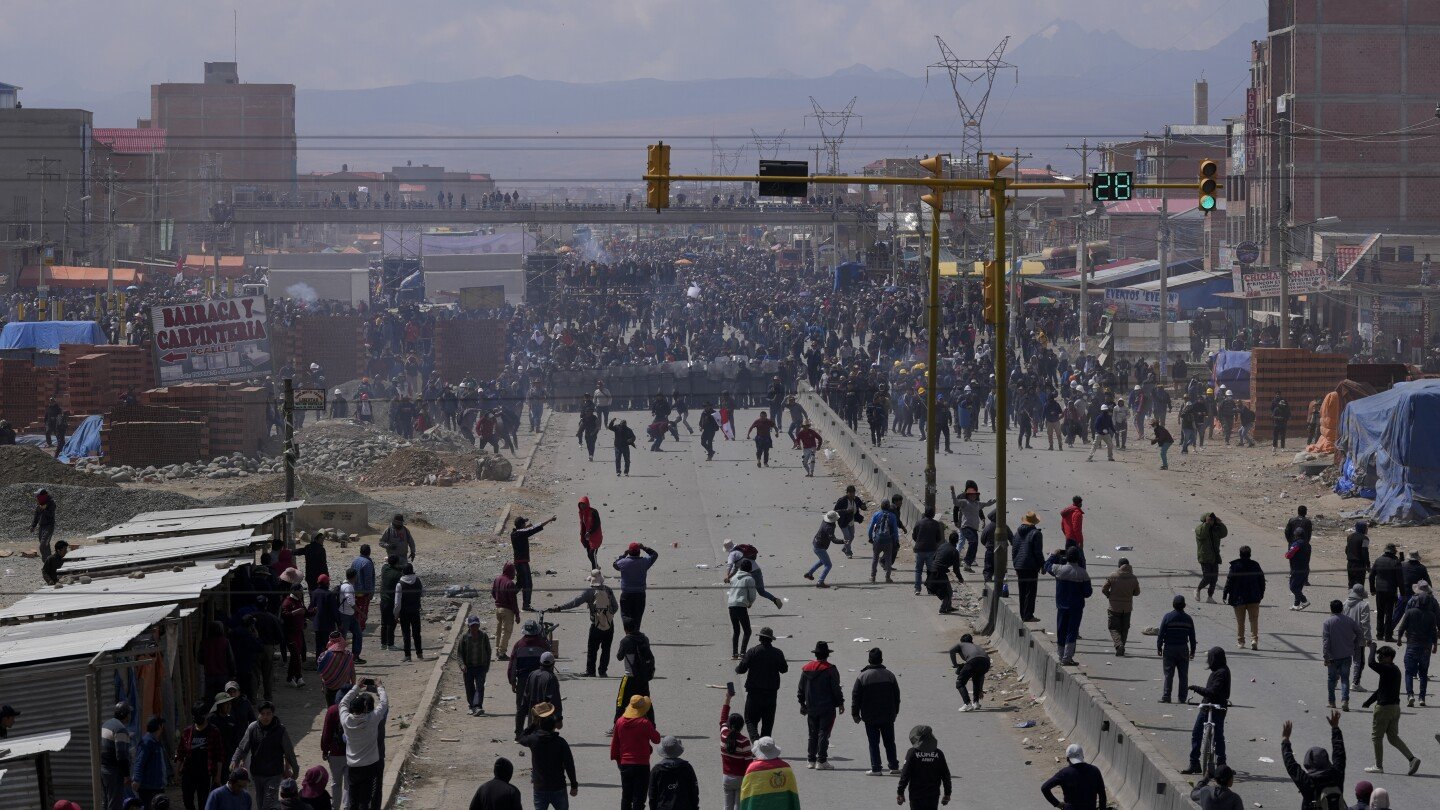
(639, 707)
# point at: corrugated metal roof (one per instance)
(82, 636)
(21, 747)
(193, 521)
(165, 549)
(1182, 280)
(117, 593)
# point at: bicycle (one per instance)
(1207, 738)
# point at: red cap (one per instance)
(634, 548)
(66, 805)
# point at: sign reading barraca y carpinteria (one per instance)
(211, 340)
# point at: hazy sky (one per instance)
(60, 46)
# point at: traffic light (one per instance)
(991, 288)
(1207, 187)
(657, 162)
(936, 167)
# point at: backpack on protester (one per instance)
(642, 664)
(748, 551)
(882, 527)
(1330, 798)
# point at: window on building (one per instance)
(1387, 254)
(1407, 253)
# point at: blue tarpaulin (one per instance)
(1232, 371)
(1390, 439)
(50, 334)
(85, 441)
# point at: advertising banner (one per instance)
(1138, 303)
(1303, 280)
(211, 340)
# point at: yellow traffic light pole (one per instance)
(658, 179)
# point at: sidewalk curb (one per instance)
(524, 472)
(1136, 773)
(422, 712)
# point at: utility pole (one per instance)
(1164, 269)
(41, 169)
(1082, 254)
(291, 455)
(1012, 279)
(110, 230)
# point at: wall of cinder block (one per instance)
(1299, 376)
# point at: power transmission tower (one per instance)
(724, 161)
(832, 130)
(769, 148)
(972, 78)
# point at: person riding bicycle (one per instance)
(1215, 695)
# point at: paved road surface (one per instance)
(1131, 502)
(675, 497)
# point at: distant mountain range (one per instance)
(1073, 83)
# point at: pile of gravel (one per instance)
(234, 465)
(24, 464)
(414, 466)
(88, 509)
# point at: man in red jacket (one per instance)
(630, 748)
(1072, 522)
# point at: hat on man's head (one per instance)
(1031, 518)
(671, 747)
(232, 685)
(473, 621)
(543, 710)
(766, 632)
(547, 659)
(821, 648)
(1074, 754)
(633, 549)
(531, 627)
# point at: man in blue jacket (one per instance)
(151, 771)
(634, 570)
(1175, 644)
(1072, 588)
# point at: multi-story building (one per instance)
(47, 159)
(226, 140)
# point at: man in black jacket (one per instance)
(927, 536)
(1244, 589)
(1028, 549)
(1216, 692)
(1385, 581)
(762, 666)
(673, 785)
(1320, 773)
(551, 761)
(875, 700)
(498, 793)
(852, 511)
(821, 698)
(624, 440)
(1217, 796)
(1357, 554)
(938, 577)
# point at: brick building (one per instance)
(1344, 95)
(226, 139)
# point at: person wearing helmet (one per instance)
(1225, 410)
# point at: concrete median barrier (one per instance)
(1136, 774)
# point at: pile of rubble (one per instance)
(23, 464)
(415, 466)
(232, 466)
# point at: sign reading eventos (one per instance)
(1139, 303)
(1266, 284)
(211, 340)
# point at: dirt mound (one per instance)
(414, 466)
(21, 464)
(89, 509)
(308, 486)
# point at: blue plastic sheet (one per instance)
(50, 334)
(85, 441)
(1232, 371)
(1392, 436)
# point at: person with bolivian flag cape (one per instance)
(769, 783)
(727, 424)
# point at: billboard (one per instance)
(1139, 303)
(1266, 283)
(211, 340)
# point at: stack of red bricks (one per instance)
(234, 412)
(150, 435)
(47, 384)
(1296, 374)
(336, 342)
(94, 378)
(469, 348)
(17, 393)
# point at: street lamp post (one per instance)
(1282, 236)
